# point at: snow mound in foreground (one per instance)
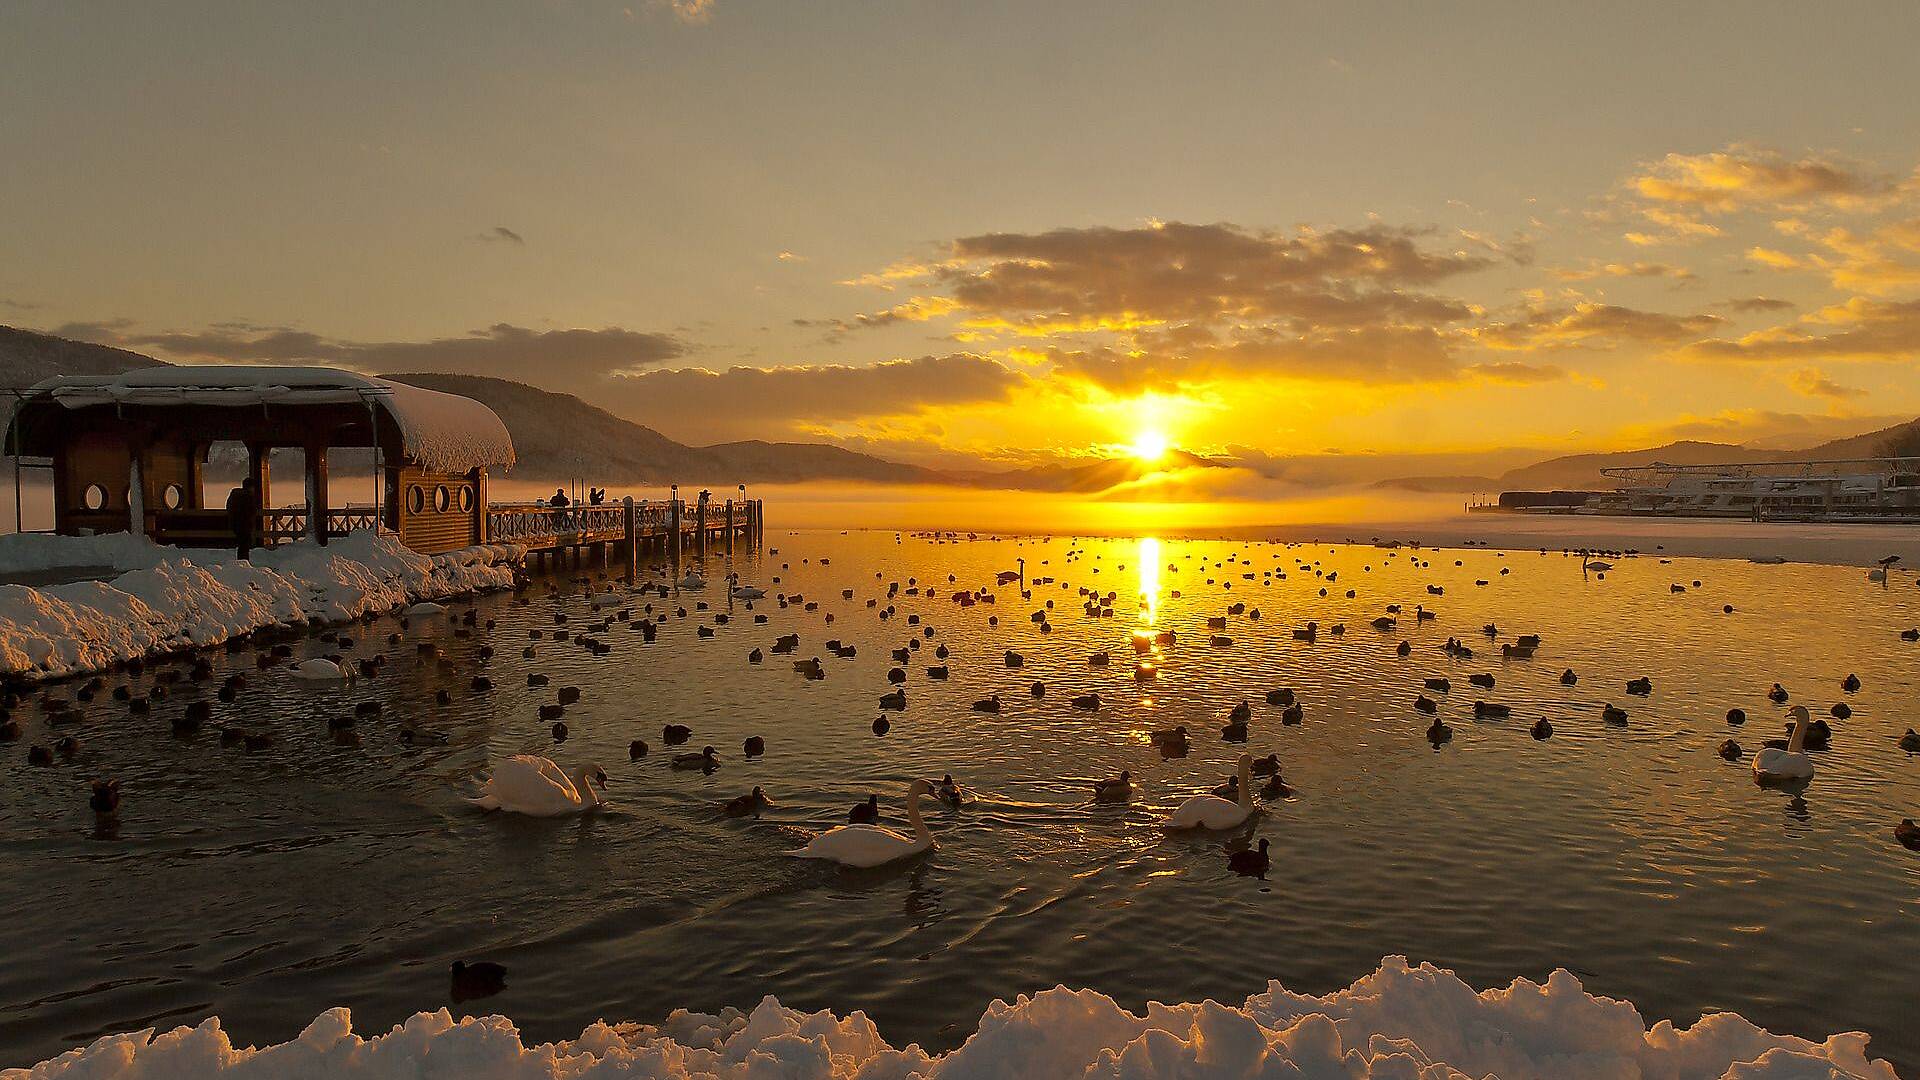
(1401, 1022)
(192, 600)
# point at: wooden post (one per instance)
(317, 494)
(729, 528)
(480, 505)
(136, 490)
(631, 520)
(700, 528)
(260, 468)
(196, 498)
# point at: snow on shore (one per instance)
(178, 599)
(1401, 1022)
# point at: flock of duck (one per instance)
(535, 785)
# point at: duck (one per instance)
(535, 786)
(1908, 834)
(1214, 812)
(1275, 788)
(706, 760)
(1542, 729)
(1114, 789)
(1641, 686)
(948, 791)
(881, 725)
(864, 846)
(636, 749)
(1267, 766)
(1173, 740)
(1235, 730)
(1568, 677)
(105, 800)
(1736, 716)
(987, 704)
(1850, 684)
(1425, 704)
(1087, 701)
(1910, 741)
(1251, 862)
(1613, 714)
(754, 747)
(1777, 695)
(1487, 710)
(478, 979)
(1438, 732)
(1730, 750)
(865, 813)
(1776, 766)
(675, 734)
(1230, 790)
(751, 803)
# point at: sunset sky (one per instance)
(1010, 233)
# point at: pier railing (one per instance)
(539, 524)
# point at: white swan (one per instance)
(1214, 812)
(748, 592)
(866, 846)
(1773, 766)
(321, 669)
(425, 609)
(524, 784)
(693, 581)
(1598, 565)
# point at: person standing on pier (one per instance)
(243, 515)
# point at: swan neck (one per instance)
(1246, 784)
(1798, 741)
(584, 785)
(920, 832)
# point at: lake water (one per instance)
(265, 886)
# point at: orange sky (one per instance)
(993, 235)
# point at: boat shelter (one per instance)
(129, 451)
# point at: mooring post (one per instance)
(631, 521)
(700, 526)
(729, 528)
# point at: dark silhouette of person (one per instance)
(596, 496)
(559, 500)
(243, 515)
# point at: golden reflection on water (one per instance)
(1149, 559)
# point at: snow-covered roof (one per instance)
(443, 432)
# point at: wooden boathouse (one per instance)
(130, 451)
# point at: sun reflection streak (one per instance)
(1149, 560)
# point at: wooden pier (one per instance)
(671, 528)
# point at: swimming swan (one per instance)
(524, 784)
(865, 846)
(1214, 812)
(321, 669)
(1774, 766)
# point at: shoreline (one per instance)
(1400, 1021)
(172, 602)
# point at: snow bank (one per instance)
(1401, 1022)
(32, 553)
(196, 599)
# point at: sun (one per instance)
(1150, 446)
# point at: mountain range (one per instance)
(559, 436)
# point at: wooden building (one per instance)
(130, 450)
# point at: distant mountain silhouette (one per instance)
(557, 436)
(1582, 471)
(28, 356)
(1087, 478)
(1439, 485)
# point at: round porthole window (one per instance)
(441, 500)
(466, 500)
(173, 496)
(94, 497)
(416, 499)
